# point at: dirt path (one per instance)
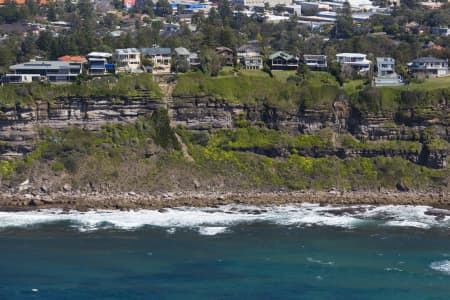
(167, 88)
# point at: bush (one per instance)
(57, 166)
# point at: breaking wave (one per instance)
(212, 221)
(441, 266)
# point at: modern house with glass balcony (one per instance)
(161, 59)
(385, 73)
(53, 71)
(128, 60)
(357, 61)
(100, 63)
(249, 56)
(315, 62)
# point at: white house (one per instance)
(249, 56)
(386, 75)
(429, 67)
(100, 63)
(357, 61)
(128, 60)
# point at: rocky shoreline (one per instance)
(132, 201)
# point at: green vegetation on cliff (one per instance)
(247, 138)
(122, 85)
(252, 87)
(299, 172)
(315, 89)
(147, 156)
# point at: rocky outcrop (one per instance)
(20, 125)
(205, 113)
(208, 113)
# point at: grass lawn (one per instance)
(431, 84)
(282, 76)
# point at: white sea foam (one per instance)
(320, 262)
(209, 230)
(405, 223)
(209, 221)
(441, 266)
(393, 269)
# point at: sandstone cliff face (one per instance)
(207, 113)
(20, 125)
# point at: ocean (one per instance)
(229, 252)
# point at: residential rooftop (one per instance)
(43, 65)
(100, 54)
(156, 51)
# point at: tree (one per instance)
(210, 62)
(344, 22)
(163, 8)
(69, 7)
(225, 11)
(51, 13)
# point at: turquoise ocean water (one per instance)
(226, 253)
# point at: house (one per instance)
(53, 71)
(80, 59)
(100, 63)
(184, 18)
(261, 3)
(181, 59)
(283, 61)
(386, 75)
(181, 52)
(315, 62)
(159, 57)
(128, 4)
(190, 58)
(128, 60)
(21, 78)
(249, 56)
(169, 29)
(226, 55)
(194, 60)
(428, 67)
(441, 31)
(357, 61)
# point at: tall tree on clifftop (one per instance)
(343, 28)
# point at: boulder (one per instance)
(402, 187)
(44, 188)
(67, 187)
(196, 184)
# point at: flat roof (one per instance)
(43, 65)
(314, 56)
(351, 54)
(127, 51)
(389, 59)
(100, 54)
